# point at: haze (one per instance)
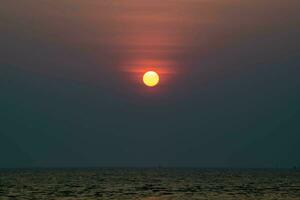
(71, 94)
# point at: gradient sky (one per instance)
(71, 91)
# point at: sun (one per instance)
(151, 78)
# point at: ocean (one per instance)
(149, 184)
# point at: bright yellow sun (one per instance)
(151, 78)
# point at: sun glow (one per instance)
(151, 78)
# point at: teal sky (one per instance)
(72, 96)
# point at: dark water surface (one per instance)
(150, 184)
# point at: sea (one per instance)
(149, 184)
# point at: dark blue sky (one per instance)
(71, 91)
